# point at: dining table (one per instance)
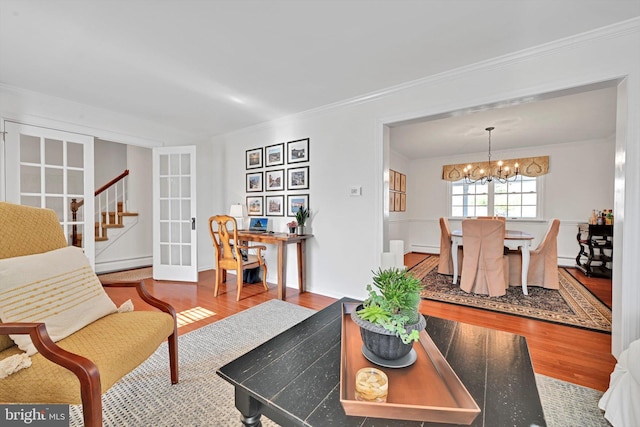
(513, 239)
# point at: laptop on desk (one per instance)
(258, 225)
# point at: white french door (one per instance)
(49, 168)
(174, 214)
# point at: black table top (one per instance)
(294, 378)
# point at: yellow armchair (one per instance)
(80, 367)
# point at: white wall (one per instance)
(400, 222)
(581, 172)
(347, 145)
(111, 161)
(211, 168)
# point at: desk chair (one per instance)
(485, 268)
(229, 256)
(543, 264)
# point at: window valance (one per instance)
(529, 166)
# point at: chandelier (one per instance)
(501, 174)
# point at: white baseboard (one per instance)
(124, 264)
(564, 261)
(425, 249)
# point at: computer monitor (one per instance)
(259, 225)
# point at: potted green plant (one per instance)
(389, 319)
(302, 215)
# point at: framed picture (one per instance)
(396, 202)
(295, 202)
(254, 158)
(392, 205)
(396, 177)
(275, 205)
(298, 178)
(392, 179)
(254, 205)
(254, 182)
(403, 202)
(274, 155)
(298, 151)
(274, 180)
(403, 183)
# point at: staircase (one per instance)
(110, 220)
(110, 210)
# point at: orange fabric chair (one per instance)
(543, 266)
(228, 255)
(445, 265)
(485, 268)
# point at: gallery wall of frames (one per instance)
(397, 191)
(277, 178)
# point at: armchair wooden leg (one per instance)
(92, 411)
(239, 282)
(172, 341)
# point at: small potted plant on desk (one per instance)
(292, 227)
(389, 319)
(302, 215)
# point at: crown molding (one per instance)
(616, 30)
(76, 126)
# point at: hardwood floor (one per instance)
(570, 354)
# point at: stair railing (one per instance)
(109, 195)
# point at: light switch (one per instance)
(355, 191)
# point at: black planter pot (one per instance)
(381, 342)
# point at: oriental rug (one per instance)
(573, 304)
(145, 397)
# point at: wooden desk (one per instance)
(281, 240)
(294, 378)
(513, 239)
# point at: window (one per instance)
(515, 199)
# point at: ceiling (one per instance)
(211, 67)
(582, 114)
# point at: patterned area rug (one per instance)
(128, 275)
(145, 397)
(572, 304)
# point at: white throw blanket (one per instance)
(621, 402)
(13, 364)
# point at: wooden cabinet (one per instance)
(596, 249)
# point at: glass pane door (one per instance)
(174, 254)
(53, 169)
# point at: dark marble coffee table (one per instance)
(294, 378)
